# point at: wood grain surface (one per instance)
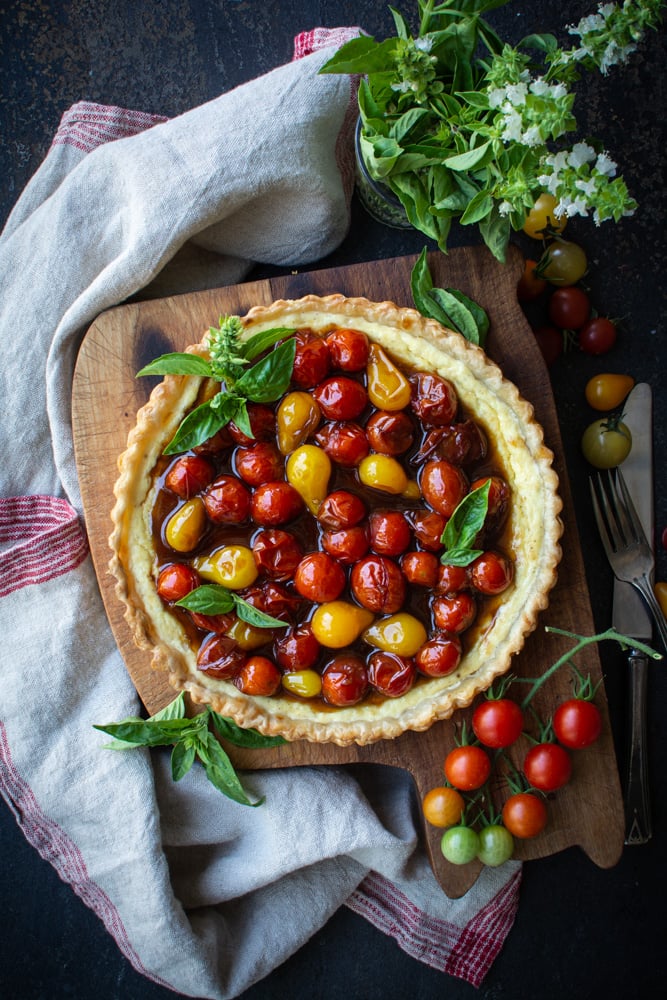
(106, 397)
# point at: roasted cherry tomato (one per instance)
(598, 336)
(344, 680)
(378, 584)
(340, 398)
(607, 392)
(443, 806)
(297, 648)
(262, 424)
(348, 545)
(259, 463)
(420, 568)
(525, 815)
(454, 612)
(276, 503)
(392, 675)
(341, 509)
(390, 532)
(606, 443)
(311, 360)
(277, 553)
(175, 581)
(497, 722)
(547, 766)
(569, 308)
(491, 573)
(542, 221)
(319, 577)
(344, 442)
(439, 656)
(467, 767)
(348, 349)
(530, 286)
(577, 723)
(563, 263)
(443, 485)
(227, 500)
(259, 676)
(434, 399)
(390, 433)
(189, 475)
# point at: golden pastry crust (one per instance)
(532, 535)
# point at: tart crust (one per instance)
(532, 533)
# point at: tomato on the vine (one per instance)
(467, 767)
(606, 392)
(598, 336)
(443, 806)
(577, 723)
(550, 342)
(569, 307)
(496, 845)
(459, 845)
(497, 722)
(547, 766)
(541, 220)
(525, 815)
(563, 263)
(606, 443)
(530, 286)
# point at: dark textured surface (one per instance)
(581, 932)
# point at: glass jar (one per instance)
(378, 200)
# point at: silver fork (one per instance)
(624, 541)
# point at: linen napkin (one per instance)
(201, 894)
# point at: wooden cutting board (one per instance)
(106, 397)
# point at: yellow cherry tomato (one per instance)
(607, 392)
(401, 633)
(186, 526)
(336, 624)
(231, 566)
(541, 220)
(383, 472)
(388, 388)
(606, 443)
(248, 636)
(660, 590)
(296, 417)
(308, 471)
(305, 683)
(443, 806)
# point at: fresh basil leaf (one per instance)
(198, 426)
(209, 599)
(495, 230)
(479, 315)
(477, 208)
(421, 282)
(269, 378)
(253, 616)
(248, 738)
(220, 771)
(464, 526)
(241, 418)
(361, 55)
(183, 757)
(149, 733)
(177, 363)
(461, 318)
(259, 342)
(174, 710)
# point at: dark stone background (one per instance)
(581, 932)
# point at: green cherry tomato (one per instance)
(496, 845)
(563, 263)
(460, 845)
(606, 443)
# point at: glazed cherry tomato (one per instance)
(341, 398)
(344, 680)
(420, 568)
(577, 723)
(344, 442)
(467, 768)
(434, 399)
(451, 579)
(497, 722)
(607, 392)
(348, 349)
(542, 221)
(525, 815)
(276, 503)
(491, 573)
(297, 648)
(390, 532)
(598, 336)
(259, 463)
(454, 612)
(427, 527)
(563, 263)
(550, 342)
(439, 656)
(390, 433)
(189, 475)
(176, 581)
(530, 286)
(390, 674)
(220, 656)
(496, 845)
(569, 308)
(262, 423)
(277, 553)
(272, 598)
(311, 360)
(443, 806)
(213, 623)
(459, 845)
(227, 500)
(547, 766)
(259, 676)
(348, 545)
(319, 577)
(606, 443)
(443, 486)
(378, 584)
(458, 443)
(341, 509)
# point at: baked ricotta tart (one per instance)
(335, 520)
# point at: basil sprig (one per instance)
(214, 599)
(229, 358)
(463, 527)
(448, 306)
(192, 739)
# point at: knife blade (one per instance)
(630, 615)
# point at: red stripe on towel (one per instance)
(87, 126)
(41, 538)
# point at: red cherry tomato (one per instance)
(467, 768)
(262, 423)
(297, 648)
(276, 503)
(392, 675)
(348, 545)
(577, 723)
(220, 656)
(348, 349)
(259, 463)
(176, 581)
(311, 360)
(259, 676)
(428, 527)
(344, 442)
(277, 553)
(420, 568)
(390, 532)
(491, 573)
(189, 475)
(598, 336)
(390, 433)
(524, 815)
(341, 509)
(497, 722)
(227, 500)
(439, 656)
(434, 399)
(452, 579)
(378, 584)
(454, 612)
(319, 577)
(550, 342)
(341, 398)
(547, 766)
(443, 486)
(569, 308)
(344, 680)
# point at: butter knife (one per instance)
(630, 615)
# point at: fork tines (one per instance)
(615, 514)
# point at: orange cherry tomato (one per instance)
(607, 392)
(443, 806)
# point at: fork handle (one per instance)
(637, 801)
